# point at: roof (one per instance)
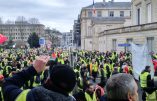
(108, 20)
(110, 5)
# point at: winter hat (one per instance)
(63, 77)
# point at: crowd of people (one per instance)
(41, 75)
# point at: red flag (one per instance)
(94, 10)
(2, 38)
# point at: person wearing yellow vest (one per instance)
(94, 69)
(90, 94)
(107, 68)
(147, 85)
(60, 59)
(38, 79)
(1, 83)
(56, 88)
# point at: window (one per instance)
(114, 44)
(138, 16)
(99, 14)
(121, 13)
(150, 41)
(89, 13)
(149, 13)
(89, 31)
(129, 41)
(111, 13)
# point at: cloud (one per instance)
(59, 14)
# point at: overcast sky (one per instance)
(59, 14)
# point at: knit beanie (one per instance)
(63, 77)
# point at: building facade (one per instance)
(107, 15)
(67, 39)
(142, 31)
(144, 11)
(20, 31)
(77, 32)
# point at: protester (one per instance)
(57, 87)
(147, 85)
(121, 87)
(93, 66)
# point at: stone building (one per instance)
(143, 29)
(107, 15)
(20, 31)
(67, 39)
(77, 32)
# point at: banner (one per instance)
(2, 38)
(140, 59)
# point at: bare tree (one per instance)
(33, 21)
(9, 24)
(53, 36)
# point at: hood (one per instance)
(42, 94)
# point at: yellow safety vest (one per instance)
(41, 78)
(151, 97)
(61, 61)
(143, 79)
(1, 94)
(95, 67)
(80, 86)
(88, 98)
(105, 65)
(23, 95)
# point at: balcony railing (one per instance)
(136, 28)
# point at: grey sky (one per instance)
(59, 14)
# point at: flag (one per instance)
(2, 38)
(140, 59)
(94, 10)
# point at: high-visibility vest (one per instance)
(80, 85)
(105, 65)
(151, 97)
(60, 61)
(23, 95)
(119, 69)
(102, 72)
(41, 78)
(1, 94)
(88, 97)
(95, 67)
(143, 79)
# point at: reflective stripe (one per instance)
(143, 79)
(151, 97)
(60, 61)
(1, 94)
(88, 98)
(23, 95)
(95, 67)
